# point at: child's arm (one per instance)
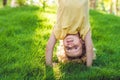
(49, 49)
(89, 49)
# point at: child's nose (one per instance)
(70, 45)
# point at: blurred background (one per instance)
(108, 6)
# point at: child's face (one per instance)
(72, 45)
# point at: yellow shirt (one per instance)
(72, 18)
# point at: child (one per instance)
(72, 20)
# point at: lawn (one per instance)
(24, 32)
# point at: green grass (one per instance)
(24, 32)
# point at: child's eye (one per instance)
(67, 48)
(76, 47)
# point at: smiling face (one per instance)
(72, 45)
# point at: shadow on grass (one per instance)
(73, 71)
(49, 73)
